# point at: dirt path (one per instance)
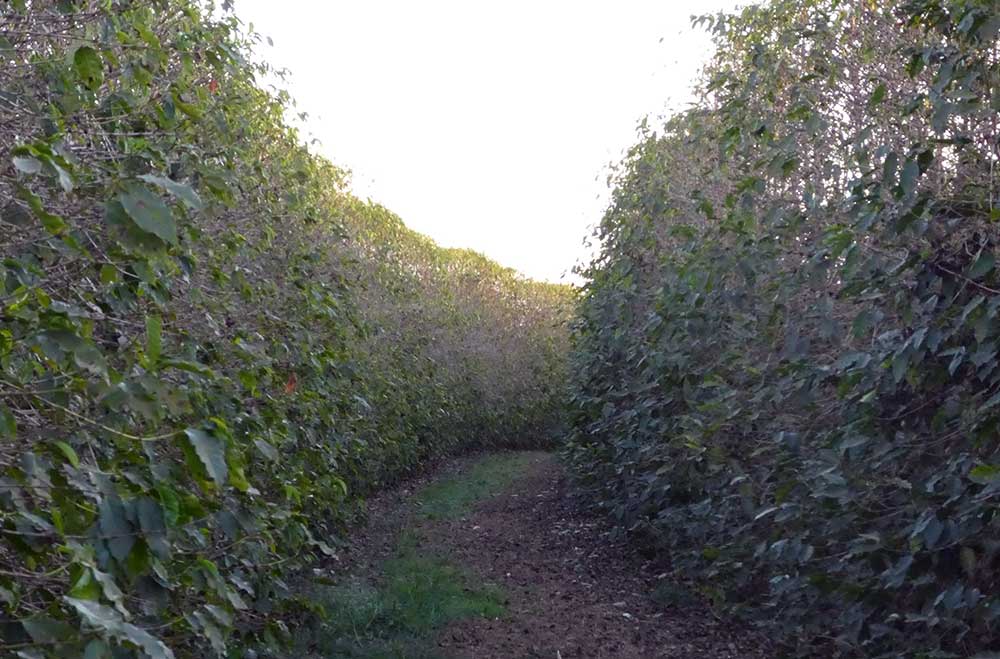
(566, 589)
(572, 591)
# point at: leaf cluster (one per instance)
(785, 363)
(210, 351)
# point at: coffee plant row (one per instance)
(785, 364)
(209, 349)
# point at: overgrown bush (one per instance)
(785, 367)
(209, 350)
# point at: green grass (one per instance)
(426, 592)
(417, 592)
(456, 496)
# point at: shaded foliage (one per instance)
(785, 374)
(209, 350)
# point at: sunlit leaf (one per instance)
(68, 453)
(984, 474)
(89, 67)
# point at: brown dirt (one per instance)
(573, 589)
(574, 592)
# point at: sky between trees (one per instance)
(487, 125)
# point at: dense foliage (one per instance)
(209, 350)
(785, 367)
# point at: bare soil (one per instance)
(573, 589)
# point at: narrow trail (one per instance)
(540, 576)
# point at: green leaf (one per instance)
(132, 236)
(212, 453)
(877, 96)
(92, 583)
(983, 265)
(190, 367)
(109, 274)
(97, 649)
(170, 502)
(115, 528)
(94, 614)
(90, 358)
(52, 223)
(44, 630)
(32, 159)
(27, 164)
(14, 213)
(110, 621)
(908, 177)
(8, 425)
(211, 631)
(967, 557)
(266, 449)
(237, 475)
(149, 213)
(89, 67)
(925, 159)
(65, 180)
(191, 110)
(85, 587)
(154, 340)
(154, 528)
(68, 453)
(181, 191)
(899, 365)
(889, 168)
(984, 474)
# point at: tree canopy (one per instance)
(784, 370)
(210, 351)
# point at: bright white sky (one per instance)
(487, 125)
